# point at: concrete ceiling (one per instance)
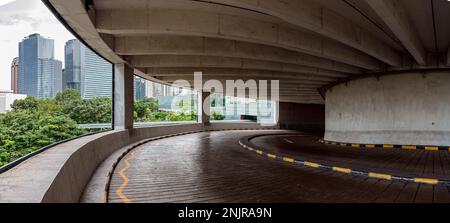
(305, 44)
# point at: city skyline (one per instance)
(19, 19)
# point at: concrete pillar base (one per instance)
(204, 108)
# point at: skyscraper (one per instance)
(86, 71)
(38, 72)
(140, 88)
(72, 71)
(15, 75)
(50, 78)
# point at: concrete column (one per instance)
(123, 96)
(204, 107)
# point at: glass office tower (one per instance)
(140, 88)
(39, 72)
(49, 78)
(72, 71)
(86, 71)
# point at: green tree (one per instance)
(217, 116)
(68, 95)
(24, 131)
(34, 123)
(96, 110)
(143, 108)
(36, 104)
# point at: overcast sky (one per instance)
(20, 18)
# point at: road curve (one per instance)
(213, 167)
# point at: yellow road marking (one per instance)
(289, 160)
(343, 144)
(259, 152)
(431, 148)
(342, 170)
(388, 146)
(105, 196)
(370, 146)
(426, 180)
(333, 143)
(271, 156)
(355, 145)
(380, 176)
(119, 191)
(311, 164)
(409, 147)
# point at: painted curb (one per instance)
(245, 143)
(386, 146)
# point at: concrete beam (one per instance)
(298, 91)
(76, 16)
(203, 46)
(223, 80)
(313, 17)
(289, 85)
(288, 95)
(131, 22)
(123, 96)
(300, 97)
(186, 72)
(165, 61)
(319, 102)
(394, 16)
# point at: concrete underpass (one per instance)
(362, 104)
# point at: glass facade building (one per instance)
(97, 78)
(86, 71)
(38, 70)
(72, 71)
(49, 78)
(140, 88)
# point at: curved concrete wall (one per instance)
(61, 173)
(405, 109)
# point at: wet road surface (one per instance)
(213, 167)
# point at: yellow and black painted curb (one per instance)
(245, 143)
(142, 142)
(386, 146)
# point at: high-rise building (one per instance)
(38, 72)
(15, 75)
(73, 59)
(162, 90)
(149, 89)
(86, 71)
(50, 76)
(140, 86)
